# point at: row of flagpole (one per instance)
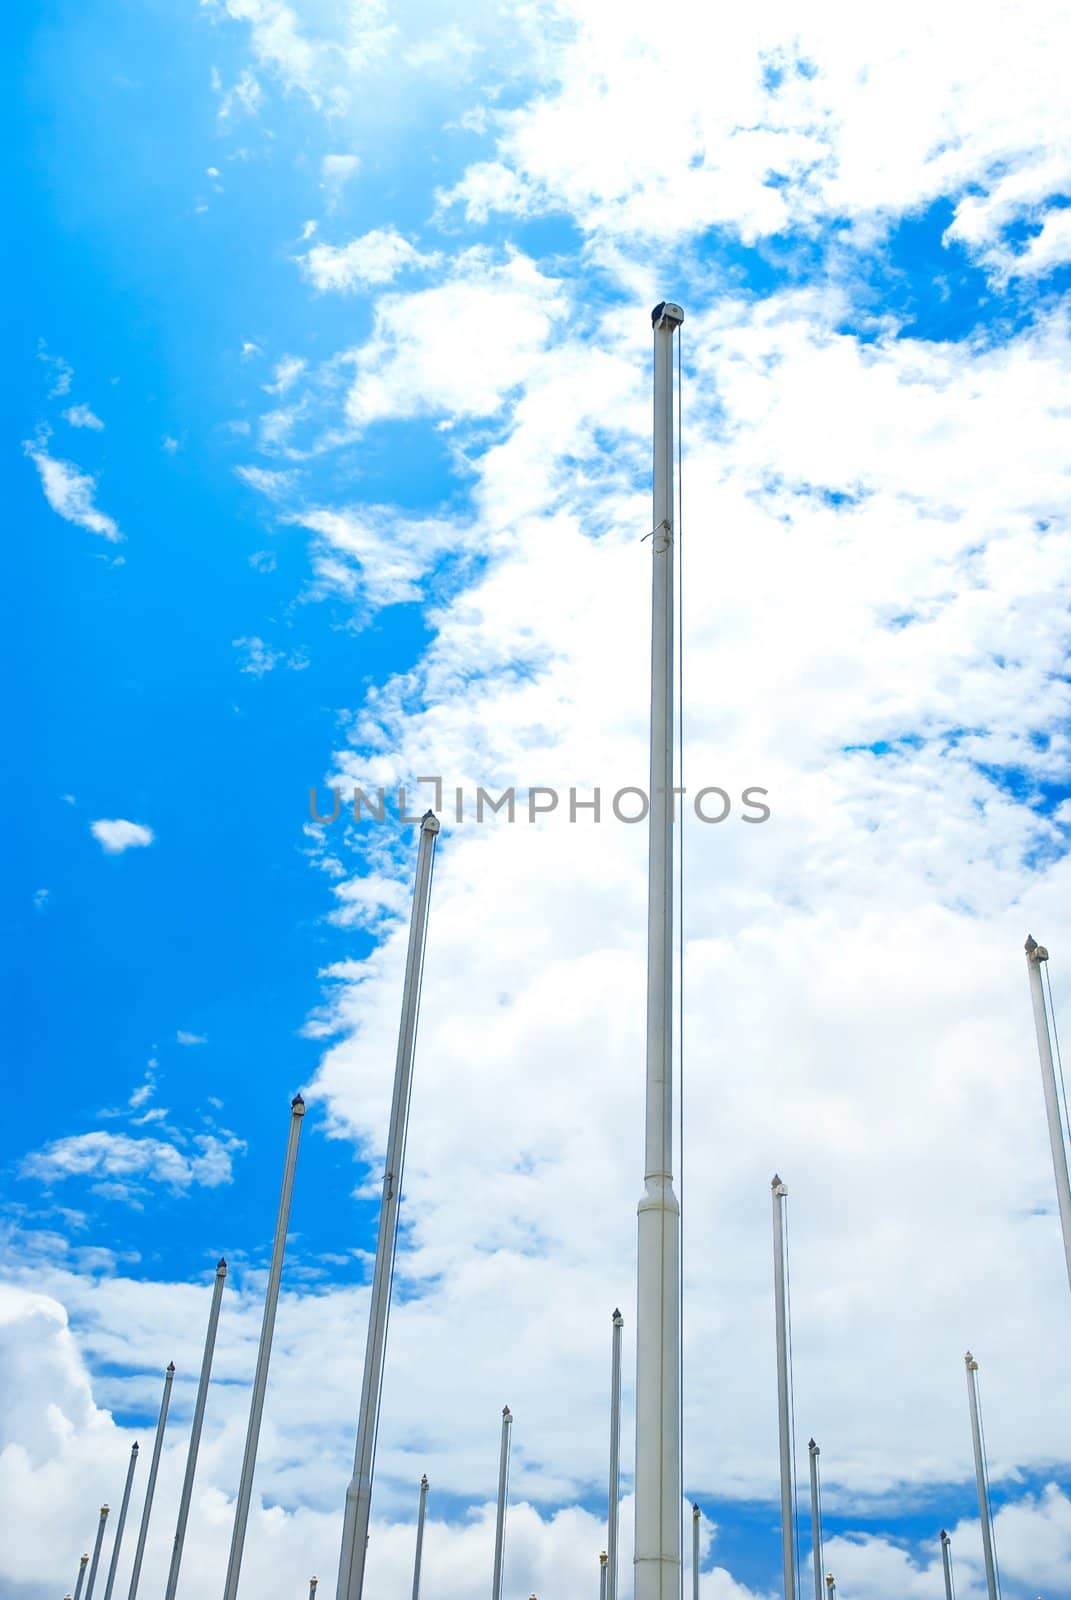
(657, 1565)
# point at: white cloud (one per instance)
(455, 349)
(337, 170)
(81, 416)
(40, 899)
(118, 835)
(376, 257)
(190, 1038)
(274, 484)
(130, 1163)
(286, 373)
(259, 658)
(169, 444)
(263, 561)
(69, 491)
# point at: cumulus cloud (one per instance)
(69, 491)
(116, 835)
(128, 1164)
(376, 257)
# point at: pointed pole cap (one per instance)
(617, 1319)
(221, 1267)
(170, 1368)
(297, 1106)
(507, 1414)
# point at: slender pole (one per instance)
(195, 1433)
(358, 1507)
(1035, 955)
(421, 1512)
(602, 1574)
(500, 1515)
(312, 1588)
(150, 1487)
(980, 1478)
(82, 1565)
(614, 1497)
(121, 1524)
(946, 1563)
(91, 1580)
(831, 1586)
(695, 1551)
(260, 1379)
(658, 1333)
(784, 1418)
(816, 1520)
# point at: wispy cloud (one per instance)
(190, 1038)
(81, 416)
(117, 835)
(259, 658)
(69, 491)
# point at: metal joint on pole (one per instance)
(658, 1568)
(267, 1328)
(121, 1524)
(980, 1477)
(1036, 955)
(150, 1487)
(195, 1432)
(358, 1507)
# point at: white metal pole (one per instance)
(1035, 955)
(91, 1580)
(150, 1487)
(500, 1515)
(312, 1588)
(816, 1520)
(614, 1497)
(784, 1419)
(695, 1551)
(980, 1478)
(602, 1574)
(946, 1563)
(121, 1524)
(267, 1328)
(831, 1586)
(195, 1432)
(421, 1512)
(358, 1507)
(658, 1333)
(83, 1563)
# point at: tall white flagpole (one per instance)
(96, 1553)
(358, 1509)
(816, 1519)
(980, 1478)
(150, 1487)
(195, 1432)
(83, 1562)
(1035, 955)
(500, 1510)
(421, 1513)
(784, 1418)
(658, 1333)
(695, 1551)
(260, 1377)
(602, 1574)
(121, 1524)
(946, 1563)
(614, 1497)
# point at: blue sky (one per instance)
(328, 463)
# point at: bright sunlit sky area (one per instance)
(328, 464)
